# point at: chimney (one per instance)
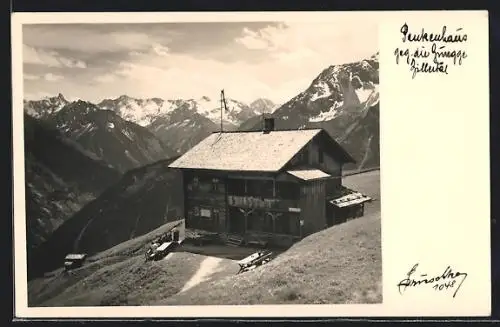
(268, 125)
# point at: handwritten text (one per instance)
(425, 52)
(439, 282)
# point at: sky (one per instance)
(249, 60)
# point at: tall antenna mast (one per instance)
(223, 106)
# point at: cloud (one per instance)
(337, 42)
(160, 49)
(37, 95)
(275, 62)
(30, 77)
(252, 40)
(49, 58)
(105, 78)
(89, 40)
(52, 77)
(72, 63)
(172, 75)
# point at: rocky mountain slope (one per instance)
(344, 100)
(183, 128)
(60, 176)
(122, 144)
(144, 199)
(45, 107)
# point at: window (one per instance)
(205, 213)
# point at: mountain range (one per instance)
(178, 124)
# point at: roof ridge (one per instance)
(276, 130)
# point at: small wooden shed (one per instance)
(74, 260)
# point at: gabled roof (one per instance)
(250, 151)
(308, 174)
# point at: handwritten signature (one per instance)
(447, 280)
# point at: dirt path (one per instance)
(168, 256)
(207, 267)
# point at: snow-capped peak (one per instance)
(263, 105)
(45, 106)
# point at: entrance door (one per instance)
(236, 221)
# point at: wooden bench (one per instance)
(254, 260)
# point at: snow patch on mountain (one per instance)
(263, 105)
(366, 91)
(145, 111)
(139, 111)
(322, 91)
(327, 115)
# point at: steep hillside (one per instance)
(60, 178)
(119, 276)
(122, 144)
(142, 200)
(341, 264)
(344, 100)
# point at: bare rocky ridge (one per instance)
(122, 144)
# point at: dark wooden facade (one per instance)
(277, 206)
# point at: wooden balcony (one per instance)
(263, 203)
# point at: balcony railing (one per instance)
(262, 203)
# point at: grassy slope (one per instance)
(339, 265)
(130, 282)
(120, 276)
